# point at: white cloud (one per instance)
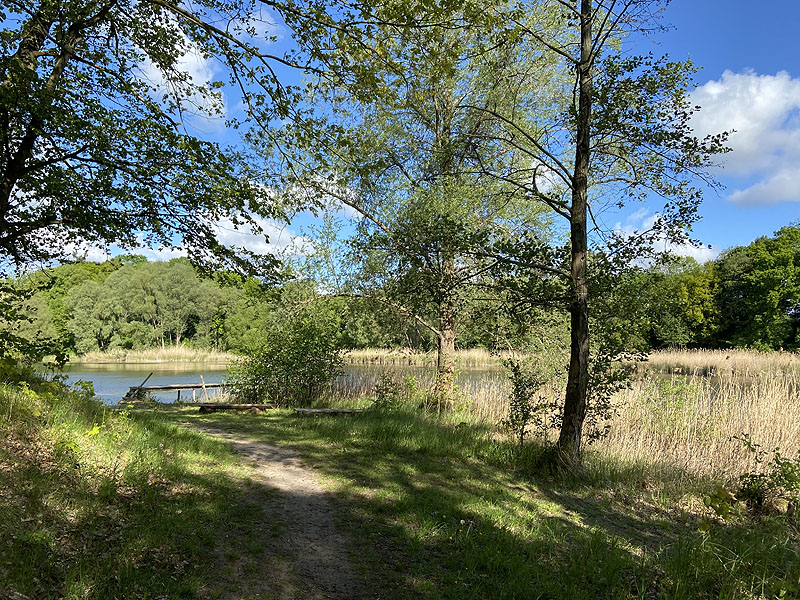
(201, 72)
(782, 185)
(642, 221)
(763, 114)
(158, 253)
(84, 251)
(701, 254)
(281, 238)
(282, 241)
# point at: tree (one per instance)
(758, 292)
(93, 151)
(94, 104)
(622, 132)
(295, 360)
(406, 152)
(667, 304)
(94, 320)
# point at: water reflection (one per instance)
(112, 380)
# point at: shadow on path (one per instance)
(307, 554)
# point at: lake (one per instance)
(113, 380)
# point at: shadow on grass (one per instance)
(433, 509)
(182, 520)
(444, 515)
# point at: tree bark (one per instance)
(444, 390)
(569, 440)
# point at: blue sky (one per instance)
(750, 81)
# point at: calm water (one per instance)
(112, 381)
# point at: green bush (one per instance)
(776, 477)
(295, 363)
(391, 394)
(526, 409)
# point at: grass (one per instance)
(105, 504)
(444, 507)
(711, 362)
(98, 505)
(473, 357)
(156, 355)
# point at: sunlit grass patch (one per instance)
(97, 503)
(444, 507)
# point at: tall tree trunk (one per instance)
(25, 57)
(444, 389)
(569, 440)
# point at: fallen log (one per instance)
(307, 412)
(208, 407)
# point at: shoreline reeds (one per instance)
(167, 354)
(670, 416)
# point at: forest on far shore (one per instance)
(748, 297)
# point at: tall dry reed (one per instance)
(703, 362)
(690, 421)
(156, 355)
(668, 421)
(473, 357)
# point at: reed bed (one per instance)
(709, 362)
(473, 357)
(672, 421)
(156, 355)
(690, 422)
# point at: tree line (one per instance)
(748, 297)
(130, 303)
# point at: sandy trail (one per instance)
(310, 554)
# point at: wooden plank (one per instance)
(176, 386)
(205, 392)
(328, 411)
(134, 391)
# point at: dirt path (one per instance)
(306, 554)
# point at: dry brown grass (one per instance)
(474, 357)
(674, 420)
(703, 362)
(157, 355)
(689, 421)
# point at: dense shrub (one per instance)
(294, 364)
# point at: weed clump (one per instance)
(775, 480)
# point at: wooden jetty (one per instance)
(176, 386)
(173, 387)
(208, 406)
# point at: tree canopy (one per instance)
(96, 104)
